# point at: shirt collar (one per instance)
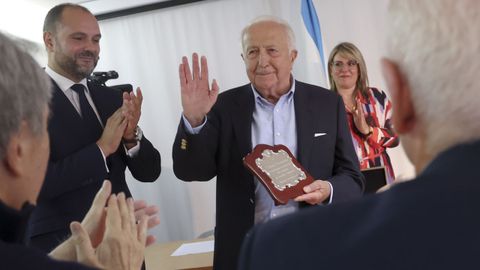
(63, 82)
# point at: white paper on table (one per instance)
(194, 248)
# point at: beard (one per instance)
(71, 64)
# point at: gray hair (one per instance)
(268, 18)
(436, 44)
(25, 90)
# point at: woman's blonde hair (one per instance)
(350, 51)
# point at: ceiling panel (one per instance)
(36, 10)
(97, 6)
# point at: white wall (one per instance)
(146, 50)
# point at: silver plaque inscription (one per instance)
(280, 168)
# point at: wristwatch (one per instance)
(138, 135)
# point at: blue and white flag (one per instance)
(310, 19)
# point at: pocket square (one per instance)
(319, 134)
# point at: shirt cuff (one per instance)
(331, 193)
(104, 159)
(190, 129)
(133, 152)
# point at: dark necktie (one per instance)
(88, 115)
(91, 123)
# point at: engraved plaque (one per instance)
(279, 171)
(280, 168)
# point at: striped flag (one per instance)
(310, 19)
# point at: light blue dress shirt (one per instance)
(273, 124)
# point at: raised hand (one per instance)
(150, 211)
(197, 96)
(133, 104)
(359, 118)
(92, 226)
(94, 220)
(123, 244)
(113, 131)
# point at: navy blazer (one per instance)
(431, 222)
(76, 168)
(226, 138)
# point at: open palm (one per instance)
(197, 96)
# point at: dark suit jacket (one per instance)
(431, 222)
(14, 254)
(76, 168)
(226, 138)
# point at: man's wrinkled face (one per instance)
(268, 57)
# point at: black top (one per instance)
(431, 222)
(13, 253)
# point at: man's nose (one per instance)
(263, 59)
(92, 46)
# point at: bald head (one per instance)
(72, 39)
(272, 22)
(54, 16)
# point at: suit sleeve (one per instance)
(347, 181)
(69, 168)
(194, 155)
(146, 166)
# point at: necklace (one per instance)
(351, 107)
(349, 100)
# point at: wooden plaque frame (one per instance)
(289, 192)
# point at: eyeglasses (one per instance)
(338, 65)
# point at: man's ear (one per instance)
(16, 151)
(293, 55)
(404, 117)
(48, 41)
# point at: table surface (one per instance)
(157, 257)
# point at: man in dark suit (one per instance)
(214, 135)
(433, 221)
(93, 129)
(25, 92)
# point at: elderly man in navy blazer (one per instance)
(433, 221)
(274, 108)
(93, 129)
